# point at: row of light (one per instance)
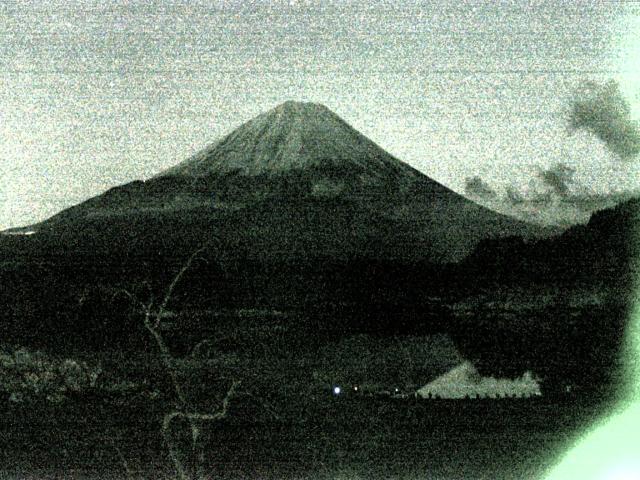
(337, 390)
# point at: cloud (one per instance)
(516, 198)
(602, 110)
(561, 189)
(536, 199)
(559, 195)
(540, 199)
(476, 187)
(558, 178)
(590, 202)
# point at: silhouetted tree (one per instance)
(153, 314)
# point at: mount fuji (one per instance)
(294, 183)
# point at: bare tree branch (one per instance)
(152, 321)
(167, 359)
(195, 419)
(205, 417)
(175, 281)
(145, 308)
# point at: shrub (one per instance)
(34, 375)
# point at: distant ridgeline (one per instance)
(606, 250)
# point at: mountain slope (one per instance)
(292, 184)
(289, 137)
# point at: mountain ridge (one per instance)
(293, 183)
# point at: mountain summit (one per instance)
(292, 136)
(293, 184)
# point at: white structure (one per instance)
(464, 381)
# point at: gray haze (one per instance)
(97, 93)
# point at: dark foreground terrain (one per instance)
(332, 438)
(100, 416)
(92, 407)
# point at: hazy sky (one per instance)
(98, 93)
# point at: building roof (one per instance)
(465, 381)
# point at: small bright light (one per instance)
(336, 390)
(355, 388)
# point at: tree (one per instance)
(153, 313)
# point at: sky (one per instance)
(98, 93)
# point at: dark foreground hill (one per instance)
(561, 305)
(605, 251)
